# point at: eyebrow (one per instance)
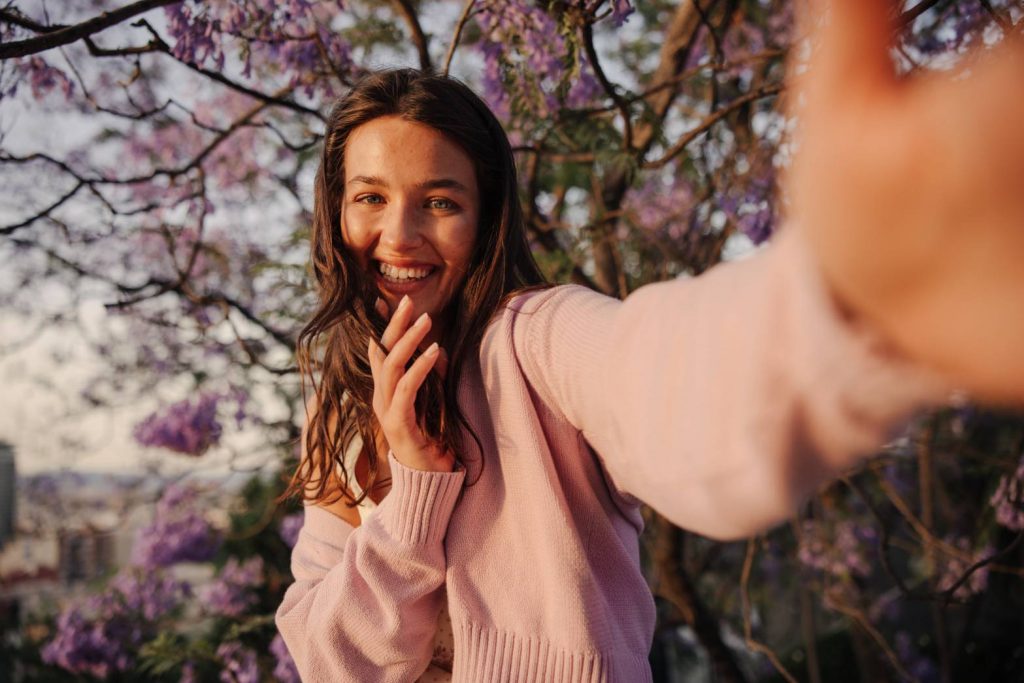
(433, 184)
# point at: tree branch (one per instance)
(8, 229)
(712, 119)
(69, 34)
(419, 39)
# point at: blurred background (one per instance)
(156, 160)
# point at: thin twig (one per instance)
(457, 36)
(757, 646)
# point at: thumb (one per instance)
(851, 41)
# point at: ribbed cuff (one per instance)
(420, 503)
(866, 389)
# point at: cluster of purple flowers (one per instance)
(284, 669)
(102, 634)
(919, 666)
(1008, 499)
(952, 28)
(522, 42)
(43, 77)
(750, 204)
(273, 38)
(232, 593)
(661, 204)
(240, 664)
(839, 551)
(189, 426)
(955, 567)
(290, 527)
(178, 533)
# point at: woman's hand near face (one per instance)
(395, 388)
(911, 194)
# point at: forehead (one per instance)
(401, 152)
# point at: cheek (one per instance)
(355, 236)
(461, 245)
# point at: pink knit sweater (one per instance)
(721, 401)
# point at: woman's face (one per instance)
(410, 211)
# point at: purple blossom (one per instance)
(1008, 499)
(178, 533)
(189, 426)
(44, 78)
(284, 670)
(758, 224)
(749, 204)
(99, 636)
(493, 81)
(239, 663)
(955, 567)
(196, 38)
(920, 667)
(523, 43)
(290, 527)
(953, 29)
(148, 594)
(189, 673)
(840, 552)
(621, 9)
(661, 204)
(83, 645)
(232, 593)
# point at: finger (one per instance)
(399, 323)
(376, 356)
(381, 307)
(404, 399)
(851, 40)
(394, 365)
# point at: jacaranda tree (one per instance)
(169, 175)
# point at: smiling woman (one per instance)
(479, 520)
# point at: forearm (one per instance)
(366, 608)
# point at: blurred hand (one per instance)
(395, 387)
(911, 195)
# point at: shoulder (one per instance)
(535, 310)
(532, 300)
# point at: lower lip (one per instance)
(405, 286)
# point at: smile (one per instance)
(396, 274)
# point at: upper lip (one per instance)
(398, 262)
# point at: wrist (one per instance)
(426, 458)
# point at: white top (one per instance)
(440, 669)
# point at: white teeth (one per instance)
(396, 274)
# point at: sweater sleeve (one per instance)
(365, 602)
(720, 400)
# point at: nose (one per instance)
(401, 230)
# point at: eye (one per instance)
(369, 198)
(441, 204)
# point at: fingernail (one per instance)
(404, 302)
(422, 320)
(432, 349)
(381, 307)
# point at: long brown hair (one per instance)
(332, 347)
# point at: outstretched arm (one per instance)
(910, 193)
(721, 400)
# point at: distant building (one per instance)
(8, 474)
(85, 554)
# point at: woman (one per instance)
(497, 489)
